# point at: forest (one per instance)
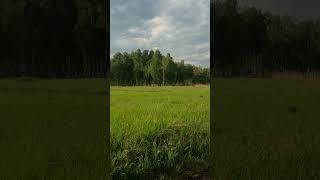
(249, 41)
(150, 67)
(53, 38)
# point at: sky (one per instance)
(305, 9)
(178, 27)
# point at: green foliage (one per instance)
(242, 34)
(156, 67)
(151, 67)
(53, 38)
(138, 65)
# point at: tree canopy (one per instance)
(248, 40)
(151, 67)
(53, 38)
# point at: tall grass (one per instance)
(266, 129)
(159, 132)
(53, 129)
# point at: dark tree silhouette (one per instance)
(53, 38)
(248, 41)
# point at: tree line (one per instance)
(53, 38)
(149, 67)
(247, 40)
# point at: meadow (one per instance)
(53, 129)
(263, 129)
(266, 129)
(57, 129)
(160, 132)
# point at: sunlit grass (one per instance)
(159, 130)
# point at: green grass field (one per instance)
(266, 129)
(56, 129)
(160, 131)
(52, 129)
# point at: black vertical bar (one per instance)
(107, 58)
(211, 94)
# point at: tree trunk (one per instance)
(163, 77)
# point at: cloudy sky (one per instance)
(178, 27)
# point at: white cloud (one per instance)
(180, 27)
(158, 25)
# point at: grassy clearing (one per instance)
(52, 129)
(266, 129)
(159, 131)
